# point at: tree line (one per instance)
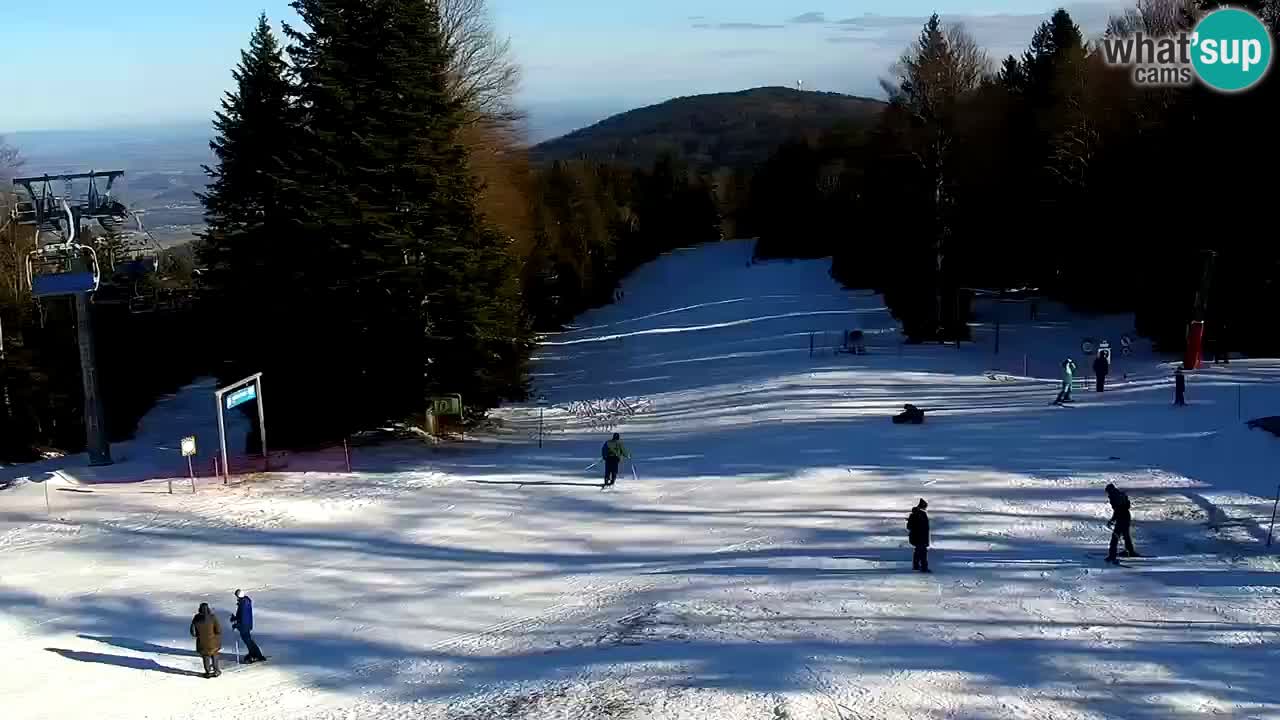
(1049, 171)
(376, 234)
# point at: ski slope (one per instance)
(754, 565)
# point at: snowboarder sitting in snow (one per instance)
(613, 452)
(1068, 378)
(208, 635)
(1101, 367)
(910, 415)
(1179, 388)
(1121, 522)
(918, 536)
(243, 621)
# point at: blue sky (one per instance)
(140, 62)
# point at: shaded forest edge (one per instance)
(1049, 171)
(363, 253)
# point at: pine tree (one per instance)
(420, 291)
(247, 243)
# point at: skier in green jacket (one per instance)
(1068, 378)
(613, 452)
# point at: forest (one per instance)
(378, 231)
(376, 234)
(1050, 172)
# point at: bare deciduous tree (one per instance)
(1154, 17)
(484, 77)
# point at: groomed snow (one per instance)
(755, 564)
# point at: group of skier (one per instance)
(207, 631)
(614, 452)
(1121, 525)
(1101, 369)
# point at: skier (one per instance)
(918, 536)
(243, 621)
(1121, 522)
(613, 452)
(1068, 377)
(208, 635)
(1179, 389)
(1101, 367)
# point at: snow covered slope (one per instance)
(754, 565)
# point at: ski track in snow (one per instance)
(754, 566)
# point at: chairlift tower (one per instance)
(61, 265)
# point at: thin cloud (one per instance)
(809, 18)
(737, 26)
(731, 53)
(999, 34)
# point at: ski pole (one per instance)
(591, 465)
(238, 652)
(1273, 517)
(633, 472)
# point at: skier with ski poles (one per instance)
(1121, 523)
(242, 621)
(613, 453)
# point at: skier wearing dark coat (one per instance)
(1121, 523)
(208, 634)
(918, 536)
(243, 622)
(1101, 367)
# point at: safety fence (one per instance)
(335, 459)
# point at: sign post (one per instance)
(445, 406)
(188, 452)
(233, 396)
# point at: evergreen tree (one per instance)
(419, 291)
(247, 242)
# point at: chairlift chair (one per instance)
(62, 268)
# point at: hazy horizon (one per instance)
(160, 72)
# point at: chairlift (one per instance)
(62, 268)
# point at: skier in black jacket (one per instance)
(1121, 523)
(1101, 368)
(918, 536)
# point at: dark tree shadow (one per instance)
(540, 483)
(123, 661)
(138, 645)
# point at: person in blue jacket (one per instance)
(243, 622)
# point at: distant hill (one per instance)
(711, 131)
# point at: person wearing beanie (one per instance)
(918, 536)
(243, 622)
